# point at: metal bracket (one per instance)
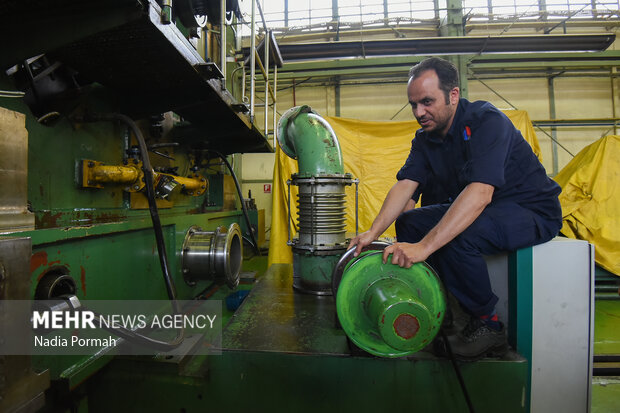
(288, 183)
(240, 107)
(209, 70)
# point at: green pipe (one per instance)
(307, 137)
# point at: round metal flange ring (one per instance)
(348, 256)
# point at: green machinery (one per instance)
(100, 205)
(387, 310)
(307, 137)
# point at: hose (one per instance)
(150, 194)
(245, 211)
(457, 371)
(157, 228)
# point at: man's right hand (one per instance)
(363, 239)
(392, 207)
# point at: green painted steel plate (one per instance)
(387, 310)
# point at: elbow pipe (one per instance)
(304, 135)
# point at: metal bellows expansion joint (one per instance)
(213, 255)
(307, 137)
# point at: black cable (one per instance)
(245, 211)
(157, 228)
(150, 195)
(249, 241)
(457, 371)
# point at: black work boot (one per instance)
(478, 340)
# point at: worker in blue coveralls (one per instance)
(483, 191)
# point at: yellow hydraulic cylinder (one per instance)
(96, 174)
(195, 185)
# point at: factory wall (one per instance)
(576, 96)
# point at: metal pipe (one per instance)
(307, 137)
(275, 104)
(223, 41)
(554, 133)
(243, 84)
(213, 255)
(288, 201)
(252, 59)
(613, 99)
(266, 74)
(166, 11)
(262, 16)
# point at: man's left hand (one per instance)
(405, 254)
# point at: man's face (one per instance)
(428, 103)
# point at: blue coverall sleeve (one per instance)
(415, 168)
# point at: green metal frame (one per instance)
(94, 235)
(520, 287)
(282, 351)
(507, 63)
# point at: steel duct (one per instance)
(213, 255)
(307, 137)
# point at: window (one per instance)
(315, 14)
(411, 10)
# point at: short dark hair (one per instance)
(446, 72)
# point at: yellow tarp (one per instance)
(590, 199)
(373, 152)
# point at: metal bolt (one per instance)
(136, 187)
(91, 164)
(185, 270)
(203, 187)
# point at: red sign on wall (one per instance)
(267, 188)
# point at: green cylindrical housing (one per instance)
(390, 304)
(307, 137)
(387, 310)
(313, 272)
